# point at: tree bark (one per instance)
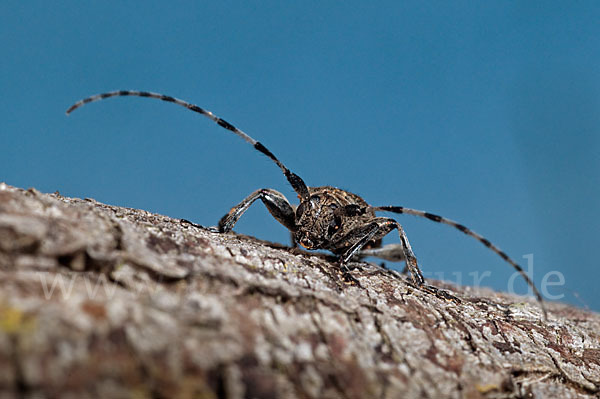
(104, 301)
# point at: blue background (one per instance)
(484, 112)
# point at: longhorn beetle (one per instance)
(327, 217)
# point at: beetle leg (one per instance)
(389, 252)
(276, 204)
(378, 228)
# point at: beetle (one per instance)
(327, 217)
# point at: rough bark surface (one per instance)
(103, 301)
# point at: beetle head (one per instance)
(317, 222)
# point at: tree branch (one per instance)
(104, 301)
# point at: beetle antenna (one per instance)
(295, 181)
(471, 233)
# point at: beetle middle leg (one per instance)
(389, 252)
(276, 204)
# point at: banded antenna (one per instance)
(470, 233)
(295, 181)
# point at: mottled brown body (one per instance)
(333, 219)
(314, 226)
